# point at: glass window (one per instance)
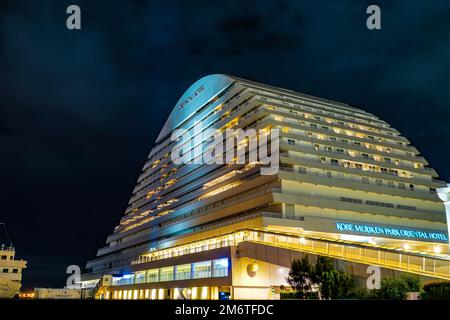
(140, 277)
(183, 272)
(126, 279)
(152, 275)
(220, 267)
(202, 269)
(166, 274)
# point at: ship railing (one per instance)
(7, 248)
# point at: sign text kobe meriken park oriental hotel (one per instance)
(328, 179)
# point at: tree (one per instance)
(299, 276)
(393, 289)
(412, 282)
(323, 265)
(333, 284)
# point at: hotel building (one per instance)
(348, 186)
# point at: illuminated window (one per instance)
(152, 275)
(166, 274)
(183, 272)
(140, 277)
(202, 269)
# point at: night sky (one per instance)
(80, 110)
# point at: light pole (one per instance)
(444, 194)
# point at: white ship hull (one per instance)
(8, 288)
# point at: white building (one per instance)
(348, 186)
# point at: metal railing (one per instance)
(7, 248)
(422, 264)
(435, 265)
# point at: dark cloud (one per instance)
(80, 110)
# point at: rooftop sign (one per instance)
(391, 232)
(191, 97)
(200, 93)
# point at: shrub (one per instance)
(436, 290)
(393, 289)
(363, 293)
(312, 295)
(289, 295)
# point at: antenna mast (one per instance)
(6, 232)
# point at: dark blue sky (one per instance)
(80, 110)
